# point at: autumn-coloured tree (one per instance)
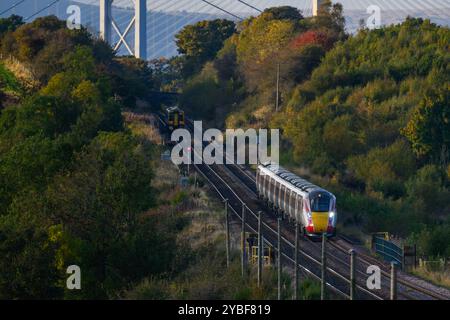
(317, 37)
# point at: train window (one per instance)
(266, 184)
(281, 196)
(286, 197)
(261, 181)
(285, 203)
(272, 189)
(276, 194)
(320, 203)
(292, 202)
(298, 208)
(258, 184)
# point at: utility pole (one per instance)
(279, 258)
(352, 274)
(260, 249)
(296, 275)
(243, 241)
(393, 280)
(278, 87)
(323, 283)
(227, 230)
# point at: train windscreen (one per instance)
(320, 203)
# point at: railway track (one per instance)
(237, 184)
(406, 290)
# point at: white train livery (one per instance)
(303, 202)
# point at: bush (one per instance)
(433, 242)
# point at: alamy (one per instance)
(209, 147)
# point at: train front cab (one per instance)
(175, 118)
(321, 214)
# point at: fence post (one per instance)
(393, 280)
(403, 257)
(324, 268)
(243, 262)
(352, 274)
(279, 258)
(260, 249)
(227, 231)
(296, 261)
(415, 256)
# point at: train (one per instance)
(175, 118)
(302, 202)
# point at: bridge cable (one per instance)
(39, 11)
(249, 5)
(221, 9)
(12, 7)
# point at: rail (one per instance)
(408, 286)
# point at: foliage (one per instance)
(10, 24)
(48, 48)
(433, 242)
(368, 112)
(200, 42)
(429, 127)
(245, 67)
(74, 184)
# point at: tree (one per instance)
(331, 16)
(28, 264)
(427, 192)
(283, 13)
(259, 49)
(133, 80)
(99, 203)
(385, 169)
(311, 37)
(73, 183)
(429, 128)
(10, 24)
(200, 42)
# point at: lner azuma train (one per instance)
(301, 201)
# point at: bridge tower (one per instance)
(316, 5)
(139, 22)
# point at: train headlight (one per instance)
(331, 215)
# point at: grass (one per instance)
(8, 81)
(439, 278)
(23, 77)
(143, 125)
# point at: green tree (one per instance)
(200, 42)
(428, 194)
(28, 264)
(99, 203)
(429, 128)
(283, 13)
(10, 24)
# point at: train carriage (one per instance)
(312, 207)
(175, 118)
